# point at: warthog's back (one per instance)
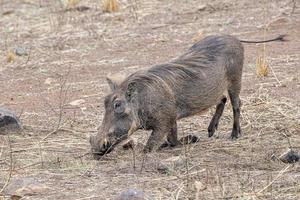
(213, 62)
(197, 79)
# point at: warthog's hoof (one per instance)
(235, 133)
(168, 144)
(189, 139)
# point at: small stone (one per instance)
(283, 85)
(82, 8)
(26, 186)
(20, 51)
(15, 197)
(290, 157)
(202, 7)
(134, 194)
(171, 164)
(77, 102)
(49, 81)
(8, 121)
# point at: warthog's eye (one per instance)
(119, 106)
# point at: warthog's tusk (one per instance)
(132, 129)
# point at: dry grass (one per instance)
(54, 144)
(110, 6)
(199, 36)
(70, 4)
(262, 67)
(10, 57)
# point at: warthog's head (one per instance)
(119, 119)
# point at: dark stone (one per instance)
(290, 157)
(8, 121)
(20, 51)
(134, 194)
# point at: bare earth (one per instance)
(58, 90)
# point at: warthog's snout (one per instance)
(100, 146)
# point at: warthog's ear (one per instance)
(131, 91)
(114, 81)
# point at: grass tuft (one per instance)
(199, 36)
(110, 6)
(11, 56)
(72, 4)
(262, 67)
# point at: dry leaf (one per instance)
(199, 36)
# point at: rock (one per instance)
(134, 194)
(290, 157)
(15, 197)
(8, 121)
(20, 51)
(202, 7)
(171, 164)
(82, 8)
(26, 186)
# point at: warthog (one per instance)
(155, 98)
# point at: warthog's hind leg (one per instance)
(235, 101)
(213, 125)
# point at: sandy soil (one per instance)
(58, 90)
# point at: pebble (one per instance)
(134, 194)
(20, 51)
(290, 156)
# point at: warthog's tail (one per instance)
(279, 38)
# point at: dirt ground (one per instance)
(59, 87)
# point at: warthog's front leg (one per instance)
(172, 139)
(155, 140)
